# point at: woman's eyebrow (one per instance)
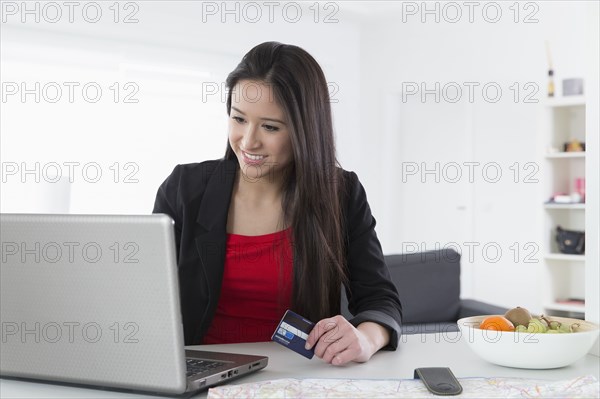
(264, 119)
(273, 120)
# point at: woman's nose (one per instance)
(251, 138)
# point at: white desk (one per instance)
(428, 350)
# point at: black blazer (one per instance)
(197, 197)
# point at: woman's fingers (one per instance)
(320, 329)
(336, 348)
(335, 340)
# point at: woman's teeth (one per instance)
(255, 157)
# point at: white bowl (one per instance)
(528, 350)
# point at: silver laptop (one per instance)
(94, 300)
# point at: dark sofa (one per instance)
(429, 287)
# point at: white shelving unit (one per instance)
(564, 282)
(565, 257)
(570, 101)
(565, 206)
(562, 155)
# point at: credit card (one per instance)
(292, 333)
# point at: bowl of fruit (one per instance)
(520, 339)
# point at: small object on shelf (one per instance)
(572, 87)
(571, 301)
(580, 187)
(550, 83)
(560, 198)
(570, 241)
(575, 197)
(574, 146)
(550, 71)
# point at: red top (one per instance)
(256, 288)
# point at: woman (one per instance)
(276, 224)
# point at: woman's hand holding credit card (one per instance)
(334, 339)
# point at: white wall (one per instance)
(480, 214)
(168, 56)
(367, 55)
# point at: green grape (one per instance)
(553, 332)
(554, 325)
(564, 328)
(521, 328)
(537, 326)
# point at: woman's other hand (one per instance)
(338, 342)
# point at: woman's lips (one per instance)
(251, 161)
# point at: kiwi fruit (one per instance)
(518, 316)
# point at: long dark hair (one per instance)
(313, 188)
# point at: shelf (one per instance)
(568, 101)
(579, 258)
(564, 206)
(566, 307)
(564, 121)
(563, 155)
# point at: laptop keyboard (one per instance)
(196, 366)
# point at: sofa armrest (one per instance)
(471, 307)
(428, 285)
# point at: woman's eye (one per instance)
(271, 128)
(238, 119)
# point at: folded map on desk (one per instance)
(580, 387)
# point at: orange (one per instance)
(498, 323)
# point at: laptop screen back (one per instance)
(91, 299)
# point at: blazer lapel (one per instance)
(215, 202)
(212, 234)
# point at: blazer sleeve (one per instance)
(168, 201)
(372, 296)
